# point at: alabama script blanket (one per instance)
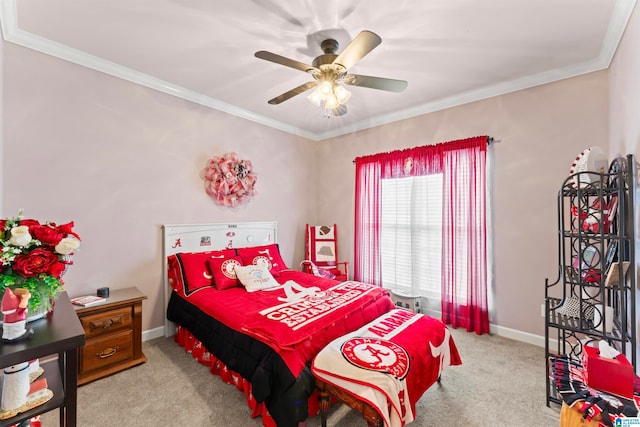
(390, 362)
(299, 317)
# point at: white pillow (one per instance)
(255, 277)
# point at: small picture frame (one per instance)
(586, 259)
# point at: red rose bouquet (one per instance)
(34, 256)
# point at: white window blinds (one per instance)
(411, 234)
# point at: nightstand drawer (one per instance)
(103, 323)
(102, 352)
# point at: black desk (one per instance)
(60, 334)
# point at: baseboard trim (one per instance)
(502, 331)
(153, 333)
(514, 334)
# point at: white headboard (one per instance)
(209, 237)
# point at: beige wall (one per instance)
(541, 130)
(624, 78)
(121, 160)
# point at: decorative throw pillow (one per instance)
(571, 308)
(267, 255)
(223, 270)
(192, 270)
(255, 277)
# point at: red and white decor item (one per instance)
(22, 390)
(14, 314)
(228, 180)
(590, 160)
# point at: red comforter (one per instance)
(298, 318)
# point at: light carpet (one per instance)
(500, 383)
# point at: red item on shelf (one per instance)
(613, 376)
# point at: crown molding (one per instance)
(12, 33)
(474, 95)
(617, 24)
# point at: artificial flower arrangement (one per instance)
(35, 256)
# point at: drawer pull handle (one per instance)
(107, 352)
(114, 321)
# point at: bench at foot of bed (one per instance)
(327, 391)
(382, 369)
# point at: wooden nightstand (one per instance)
(113, 331)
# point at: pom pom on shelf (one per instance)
(590, 160)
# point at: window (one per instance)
(411, 234)
(398, 243)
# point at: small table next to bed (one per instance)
(114, 335)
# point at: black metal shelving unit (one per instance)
(593, 297)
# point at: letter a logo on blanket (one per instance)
(377, 355)
(442, 352)
(295, 291)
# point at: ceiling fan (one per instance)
(331, 69)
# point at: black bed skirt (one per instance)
(272, 382)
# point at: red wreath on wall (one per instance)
(228, 180)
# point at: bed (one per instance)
(261, 333)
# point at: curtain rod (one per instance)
(490, 140)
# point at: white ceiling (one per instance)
(450, 51)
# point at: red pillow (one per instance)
(267, 255)
(174, 274)
(192, 270)
(223, 270)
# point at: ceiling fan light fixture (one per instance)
(342, 94)
(332, 102)
(325, 89)
(340, 111)
(332, 94)
(315, 98)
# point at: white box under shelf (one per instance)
(407, 300)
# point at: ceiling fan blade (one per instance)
(293, 92)
(268, 56)
(359, 47)
(381, 83)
